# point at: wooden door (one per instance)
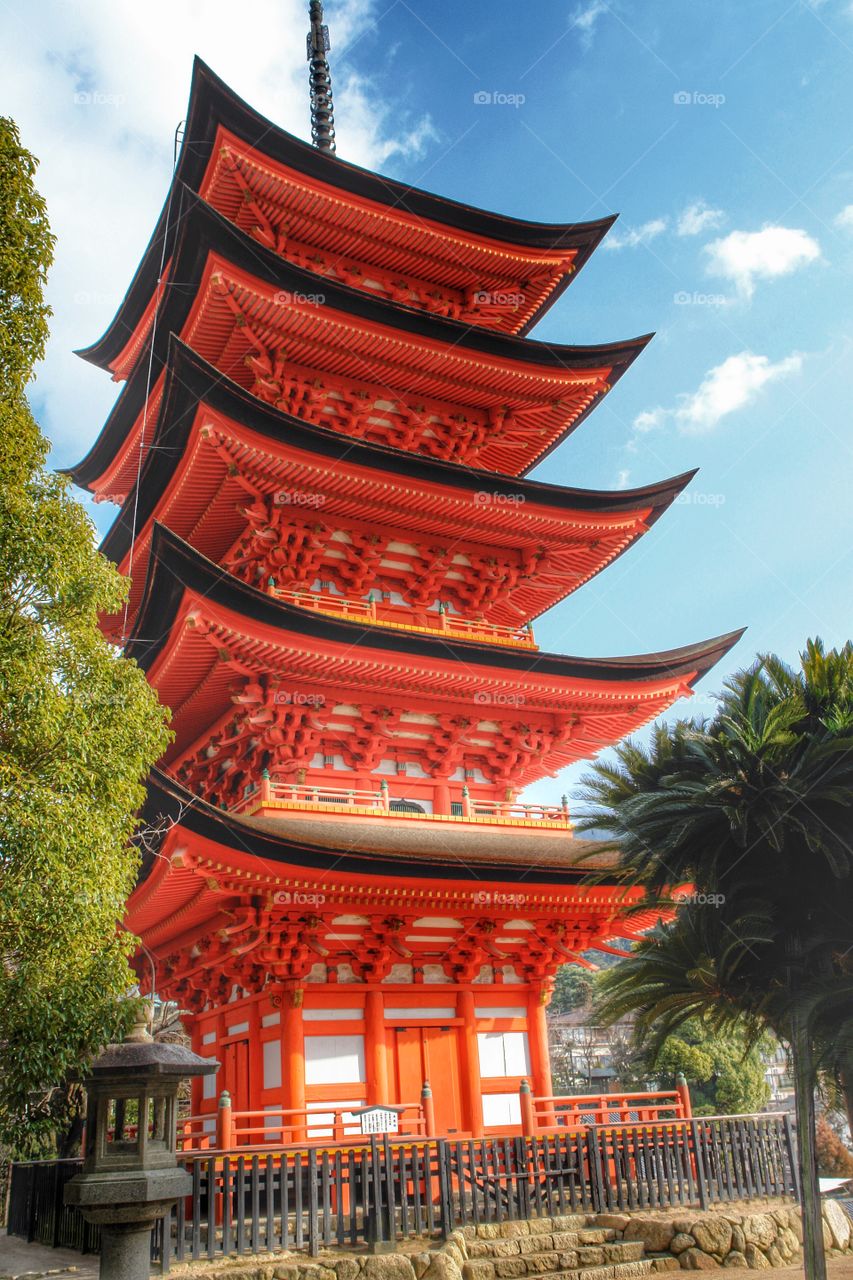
(236, 1073)
(429, 1053)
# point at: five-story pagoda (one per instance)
(320, 452)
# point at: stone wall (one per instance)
(746, 1236)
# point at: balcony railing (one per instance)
(369, 613)
(379, 804)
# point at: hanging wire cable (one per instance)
(178, 141)
(320, 80)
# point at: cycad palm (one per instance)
(754, 810)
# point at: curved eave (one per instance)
(213, 103)
(192, 381)
(167, 799)
(176, 568)
(202, 232)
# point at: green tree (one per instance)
(573, 987)
(726, 1072)
(754, 811)
(79, 728)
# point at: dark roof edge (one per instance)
(168, 799)
(212, 101)
(174, 566)
(191, 381)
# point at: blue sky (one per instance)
(715, 130)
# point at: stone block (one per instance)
(838, 1222)
(756, 1260)
(591, 1256)
(507, 1229)
(713, 1235)
(568, 1260)
(616, 1221)
(655, 1233)
(665, 1264)
(680, 1241)
(735, 1259)
(348, 1268)
(624, 1251)
(478, 1270)
(738, 1238)
(392, 1266)
(538, 1263)
(509, 1268)
(695, 1260)
(759, 1229)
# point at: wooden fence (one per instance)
(306, 1198)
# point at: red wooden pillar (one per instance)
(293, 1057)
(376, 1049)
(683, 1091)
(537, 1036)
(472, 1090)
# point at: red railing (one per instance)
(548, 1115)
(373, 614)
(321, 1123)
(379, 804)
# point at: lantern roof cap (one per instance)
(149, 1058)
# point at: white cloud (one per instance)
(747, 256)
(634, 236)
(623, 479)
(698, 217)
(106, 163)
(844, 219)
(726, 388)
(584, 19)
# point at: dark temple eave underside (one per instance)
(191, 381)
(176, 568)
(213, 103)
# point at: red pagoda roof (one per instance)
(368, 368)
(366, 229)
(442, 900)
(223, 467)
(208, 641)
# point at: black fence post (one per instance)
(596, 1174)
(791, 1149)
(699, 1156)
(442, 1152)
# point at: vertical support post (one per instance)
(814, 1256)
(683, 1091)
(540, 1058)
(266, 787)
(466, 802)
(385, 798)
(224, 1123)
(293, 1054)
(441, 798)
(528, 1116)
(471, 1062)
(428, 1107)
(377, 1049)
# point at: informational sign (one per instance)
(379, 1120)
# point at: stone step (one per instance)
(615, 1271)
(511, 1246)
(550, 1263)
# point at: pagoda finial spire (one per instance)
(320, 79)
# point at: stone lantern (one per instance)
(130, 1174)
